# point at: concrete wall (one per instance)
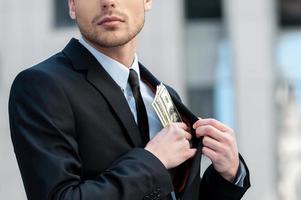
(161, 47)
(252, 28)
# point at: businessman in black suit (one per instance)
(83, 127)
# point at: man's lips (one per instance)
(110, 20)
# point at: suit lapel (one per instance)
(82, 59)
(153, 82)
(113, 93)
(195, 166)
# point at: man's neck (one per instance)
(123, 54)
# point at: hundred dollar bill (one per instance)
(164, 107)
(162, 118)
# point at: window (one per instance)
(290, 13)
(61, 14)
(197, 9)
(203, 31)
(201, 101)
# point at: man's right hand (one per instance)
(171, 145)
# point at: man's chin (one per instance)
(109, 39)
(111, 43)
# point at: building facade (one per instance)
(219, 57)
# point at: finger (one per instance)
(190, 153)
(188, 136)
(180, 125)
(209, 131)
(212, 155)
(183, 135)
(186, 144)
(212, 144)
(213, 122)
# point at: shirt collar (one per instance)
(118, 72)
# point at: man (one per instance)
(83, 127)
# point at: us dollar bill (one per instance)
(164, 106)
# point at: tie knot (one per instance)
(133, 78)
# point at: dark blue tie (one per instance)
(142, 119)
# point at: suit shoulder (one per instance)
(50, 69)
(56, 63)
(53, 65)
(46, 73)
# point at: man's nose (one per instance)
(109, 4)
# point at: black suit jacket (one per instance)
(75, 138)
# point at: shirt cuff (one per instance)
(241, 175)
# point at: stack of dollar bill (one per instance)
(164, 107)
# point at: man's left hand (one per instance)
(219, 145)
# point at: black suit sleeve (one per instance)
(43, 132)
(215, 187)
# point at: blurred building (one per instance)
(289, 151)
(219, 55)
